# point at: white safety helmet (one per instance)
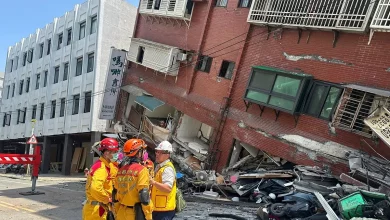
(165, 146)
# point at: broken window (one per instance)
(276, 88)
(355, 106)
(227, 68)
(140, 56)
(322, 100)
(204, 63)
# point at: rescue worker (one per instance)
(132, 184)
(164, 184)
(99, 181)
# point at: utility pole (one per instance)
(31, 151)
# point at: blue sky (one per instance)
(19, 18)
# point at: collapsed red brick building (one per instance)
(292, 79)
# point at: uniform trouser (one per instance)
(124, 212)
(91, 212)
(167, 215)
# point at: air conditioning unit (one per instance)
(182, 56)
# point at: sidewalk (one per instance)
(48, 177)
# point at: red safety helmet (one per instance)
(132, 147)
(109, 144)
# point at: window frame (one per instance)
(34, 112)
(8, 91)
(217, 3)
(48, 47)
(66, 71)
(24, 59)
(239, 5)
(13, 90)
(45, 78)
(93, 19)
(21, 84)
(56, 74)
(310, 94)
(69, 36)
(297, 99)
(41, 50)
(87, 99)
(37, 80)
(53, 109)
(83, 25)
(28, 79)
(60, 39)
(62, 107)
(90, 68)
(77, 62)
(75, 110)
(30, 55)
(42, 112)
(227, 69)
(207, 67)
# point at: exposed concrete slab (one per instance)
(315, 58)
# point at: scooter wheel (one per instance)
(277, 209)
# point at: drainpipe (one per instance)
(201, 43)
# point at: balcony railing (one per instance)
(381, 19)
(349, 15)
(168, 8)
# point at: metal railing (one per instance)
(351, 15)
(168, 8)
(381, 18)
(354, 107)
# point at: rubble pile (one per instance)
(282, 190)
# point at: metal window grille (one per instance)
(323, 14)
(354, 107)
(381, 19)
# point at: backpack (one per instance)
(180, 202)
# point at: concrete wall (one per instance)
(161, 112)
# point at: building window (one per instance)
(53, 109)
(87, 104)
(69, 38)
(42, 111)
(140, 55)
(18, 117)
(277, 89)
(45, 78)
(7, 119)
(322, 100)
(27, 84)
(48, 46)
(59, 43)
(21, 87)
(56, 74)
(93, 24)
(62, 107)
(22, 115)
(37, 81)
(204, 63)
(30, 55)
(66, 71)
(82, 30)
(91, 59)
(12, 65)
(157, 4)
(13, 89)
(227, 68)
(16, 62)
(76, 103)
(222, 3)
(24, 59)
(79, 66)
(41, 50)
(244, 3)
(34, 112)
(8, 91)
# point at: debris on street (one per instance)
(282, 190)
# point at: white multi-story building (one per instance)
(57, 75)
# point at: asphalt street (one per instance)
(63, 198)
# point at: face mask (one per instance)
(146, 156)
(114, 157)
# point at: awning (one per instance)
(149, 102)
(381, 92)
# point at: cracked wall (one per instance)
(315, 58)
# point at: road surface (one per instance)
(63, 198)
